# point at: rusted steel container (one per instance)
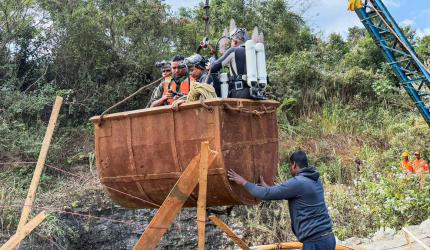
(143, 152)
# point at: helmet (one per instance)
(238, 34)
(163, 65)
(417, 153)
(405, 154)
(196, 60)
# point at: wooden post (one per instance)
(172, 204)
(25, 230)
(229, 232)
(422, 178)
(201, 202)
(40, 163)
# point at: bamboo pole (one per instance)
(31, 196)
(229, 232)
(285, 245)
(408, 241)
(408, 233)
(201, 202)
(25, 230)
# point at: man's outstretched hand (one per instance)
(233, 176)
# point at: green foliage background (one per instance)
(340, 100)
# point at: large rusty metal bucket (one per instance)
(142, 153)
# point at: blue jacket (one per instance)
(305, 195)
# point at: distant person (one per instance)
(406, 164)
(310, 220)
(197, 67)
(178, 86)
(420, 166)
(166, 72)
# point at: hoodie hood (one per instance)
(310, 172)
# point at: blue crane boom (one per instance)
(399, 53)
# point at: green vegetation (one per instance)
(340, 101)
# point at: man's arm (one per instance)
(156, 94)
(223, 61)
(159, 102)
(286, 190)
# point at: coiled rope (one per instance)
(198, 92)
(201, 91)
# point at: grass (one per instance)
(356, 152)
(353, 149)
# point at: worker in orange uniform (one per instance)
(406, 164)
(420, 166)
(166, 72)
(178, 86)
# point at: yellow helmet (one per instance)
(405, 154)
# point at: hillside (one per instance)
(340, 103)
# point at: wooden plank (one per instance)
(172, 204)
(201, 202)
(25, 230)
(229, 232)
(31, 196)
(408, 233)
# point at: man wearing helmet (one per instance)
(235, 59)
(197, 67)
(179, 84)
(406, 164)
(166, 72)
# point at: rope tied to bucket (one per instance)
(128, 98)
(256, 112)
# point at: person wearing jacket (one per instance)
(310, 220)
(166, 72)
(197, 67)
(406, 164)
(178, 85)
(420, 166)
(235, 59)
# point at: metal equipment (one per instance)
(399, 53)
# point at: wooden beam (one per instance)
(408, 233)
(172, 204)
(31, 196)
(229, 232)
(25, 230)
(201, 202)
(422, 178)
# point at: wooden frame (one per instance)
(25, 228)
(177, 198)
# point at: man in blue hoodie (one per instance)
(310, 220)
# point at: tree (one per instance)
(423, 50)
